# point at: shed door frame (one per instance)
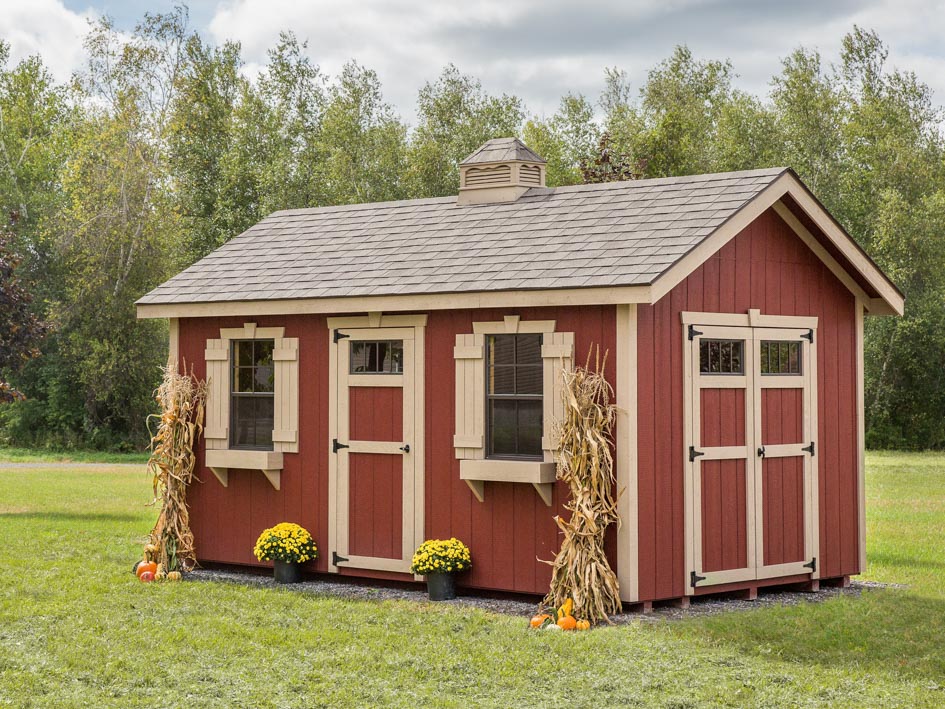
(752, 327)
(410, 329)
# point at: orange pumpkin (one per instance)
(567, 622)
(538, 620)
(583, 625)
(147, 566)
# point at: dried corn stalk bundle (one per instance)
(172, 462)
(585, 463)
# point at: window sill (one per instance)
(269, 462)
(541, 475)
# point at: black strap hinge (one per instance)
(336, 446)
(693, 454)
(693, 332)
(809, 336)
(809, 449)
(339, 335)
(336, 559)
(812, 565)
(695, 578)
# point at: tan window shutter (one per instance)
(285, 432)
(557, 352)
(469, 353)
(217, 357)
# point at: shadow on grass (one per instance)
(880, 631)
(72, 516)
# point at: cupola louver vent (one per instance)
(501, 175)
(530, 175)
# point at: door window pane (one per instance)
(721, 356)
(780, 357)
(377, 357)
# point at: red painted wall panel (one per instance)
(512, 528)
(507, 533)
(766, 267)
(226, 521)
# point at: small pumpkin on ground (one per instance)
(538, 620)
(146, 576)
(146, 567)
(567, 622)
(173, 576)
(583, 625)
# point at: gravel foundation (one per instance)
(523, 608)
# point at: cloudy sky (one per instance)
(537, 49)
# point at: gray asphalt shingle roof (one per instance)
(614, 234)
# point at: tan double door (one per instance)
(751, 482)
(375, 470)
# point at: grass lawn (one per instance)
(76, 628)
(27, 455)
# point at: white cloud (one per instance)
(536, 49)
(46, 28)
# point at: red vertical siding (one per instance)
(766, 267)
(226, 521)
(507, 533)
(512, 528)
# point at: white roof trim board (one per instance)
(621, 235)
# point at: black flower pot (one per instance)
(287, 571)
(441, 587)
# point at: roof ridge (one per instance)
(534, 191)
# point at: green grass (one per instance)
(28, 455)
(77, 630)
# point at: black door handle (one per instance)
(761, 452)
(405, 448)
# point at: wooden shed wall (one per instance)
(227, 521)
(765, 267)
(506, 532)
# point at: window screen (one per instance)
(514, 391)
(780, 357)
(377, 357)
(252, 394)
(721, 356)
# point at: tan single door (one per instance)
(785, 413)
(374, 449)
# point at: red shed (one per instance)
(385, 373)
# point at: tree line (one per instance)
(161, 150)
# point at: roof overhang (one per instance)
(858, 272)
(401, 303)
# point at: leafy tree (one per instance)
(20, 329)
(566, 140)
(454, 117)
(363, 142)
(200, 134)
